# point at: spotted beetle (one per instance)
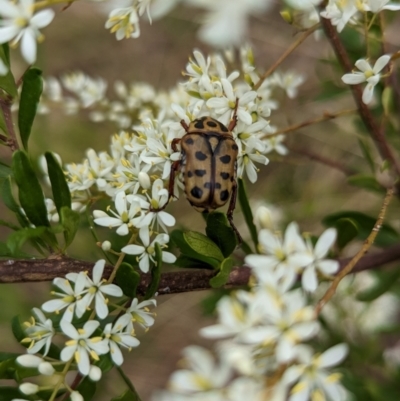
(208, 165)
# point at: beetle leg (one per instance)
(185, 126)
(229, 214)
(174, 168)
(175, 142)
(233, 122)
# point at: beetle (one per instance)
(208, 165)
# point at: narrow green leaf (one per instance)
(5, 171)
(366, 182)
(18, 238)
(17, 329)
(32, 87)
(59, 186)
(177, 237)
(386, 236)
(128, 279)
(30, 192)
(155, 274)
(9, 393)
(347, 230)
(186, 261)
(7, 82)
(364, 146)
(223, 275)
(128, 382)
(3, 126)
(384, 282)
(221, 233)
(203, 245)
(127, 395)
(247, 213)
(70, 222)
(7, 364)
(6, 252)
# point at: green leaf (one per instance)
(247, 212)
(17, 329)
(18, 238)
(223, 275)
(5, 171)
(186, 261)
(32, 87)
(384, 282)
(59, 186)
(221, 233)
(179, 239)
(367, 182)
(7, 365)
(30, 192)
(7, 82)
(364, 146)
(127, 395)
(155, 274)
(86, 388)
(386, 236)
(347, 230)
(128, 279)
(6, 252)
(202, 245)
(70, 223)
(10, 393)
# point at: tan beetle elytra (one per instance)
(208, 165)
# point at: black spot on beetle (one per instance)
(235, 147)
(189, 174)
(225, 176)
(189, 141)
(217, 185)
(197, 192)
(201, 156)
(207, 185)
(200, 173)
(222, 127)
(224, 195)
(199, 124)
(225, 159)
(212, 124)
(204, 118)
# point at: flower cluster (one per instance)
(135, 173)
(80, 295)
(261, 334)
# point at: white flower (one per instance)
(140, 312)
(124, 215)
(147, 252)
(68, 298)
(368, 74)
(340, 12)
(313, 380)
(82, 345)
(124, 22)
(19, 23)
(40, 333)
(245, 163)
(326, 266)
(119, 335)
(202, 373)
(96, 289)
(289, 81)
(275, 143)
(377, 6)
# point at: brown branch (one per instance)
(325, 117)
(375, 130)
(19, 271)
(323, 160)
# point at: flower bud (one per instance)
(144, 180)
(29, 361)
(75, 396)
(95, 373)
(29, 388)
(106, 246)
(46, 368)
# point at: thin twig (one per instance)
(280, 60)
(323, 160)
(325, 117)
(364, 249)
(5, 105)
